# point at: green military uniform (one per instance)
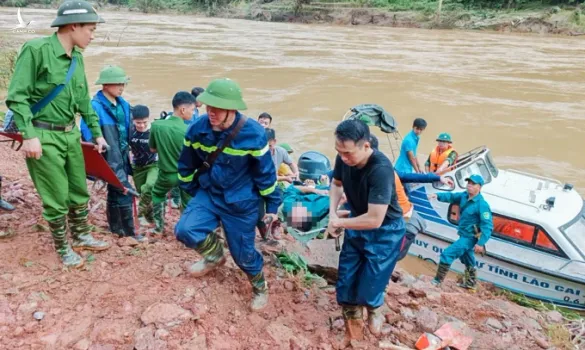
(144, 180)
(58, 175)
(166, 136)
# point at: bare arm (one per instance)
(335, 194)
(373, 219)
(413, 161)
(442, 168)
(295, 169)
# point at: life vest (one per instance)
(403, 201)
(436, 158)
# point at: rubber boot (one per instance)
(158, 213)
(354, 323)
(464, 278)
(260, 290)
(127, 216)
(375, 321)
(441, 274)
(68, 257)
(114, 219)
(81, 231)
(212, 251)
(175, 198)
(471, 281)
(4, 205)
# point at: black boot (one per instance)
(127, 219)
(4, 204)
(441, 274)
(114, 217)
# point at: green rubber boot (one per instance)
(471, 281)
(212, 251)
(68, 257)
(81, 231)
(158, 213)
(260, 290)
(441, 274)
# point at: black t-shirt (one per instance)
(141, 154)
(374, 183)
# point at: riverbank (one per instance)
(545, 20)
(529, 18)
(138, 296)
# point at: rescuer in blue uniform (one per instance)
(229, 189)
(475, 229)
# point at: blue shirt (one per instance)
(410, 143)
(475, 211)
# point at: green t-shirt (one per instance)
(167, 136)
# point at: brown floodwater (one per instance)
(521, 95)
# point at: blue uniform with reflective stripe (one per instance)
(230, 190)
(475, 211)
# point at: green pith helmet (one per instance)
(223, 93)
(112, 75)
(76, 11)
(444, 137)
(287, 147)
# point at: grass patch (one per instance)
(295, 265)
(7, 62)
(539, 305)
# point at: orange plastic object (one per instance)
(453, 338)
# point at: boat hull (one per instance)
(507, 276)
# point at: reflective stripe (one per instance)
(187, 178)
(228, 150)
(187, 143)
(268, 191)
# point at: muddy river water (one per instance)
(521, 95)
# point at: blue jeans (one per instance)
(366, 263)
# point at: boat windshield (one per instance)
(491, 165)
(477, 167)
(576, 233)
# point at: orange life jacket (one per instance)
(437, 158)
(403, 201)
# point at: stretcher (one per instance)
(95, 164)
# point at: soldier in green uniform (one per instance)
(166, 138)
(50, 72)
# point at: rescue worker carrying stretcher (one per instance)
(227, 167)
(48, 89)
(475, 229)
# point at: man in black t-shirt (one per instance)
(373, 232)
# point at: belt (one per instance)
(53, 127)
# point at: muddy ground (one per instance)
(139, 297)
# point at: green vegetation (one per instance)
(7, 61)
(295, 265)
